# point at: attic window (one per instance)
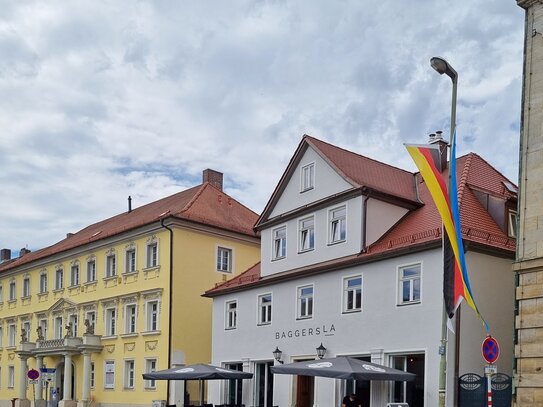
(510, 187)
(307, 180)
(512, 223)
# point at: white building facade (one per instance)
(352, 259)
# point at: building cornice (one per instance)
(526, 4)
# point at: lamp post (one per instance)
(441, 66)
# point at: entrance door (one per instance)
(263, 385)
(359, 387)
(305, 389)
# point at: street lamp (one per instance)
(277, 354)
(443, 67)
(321, 351)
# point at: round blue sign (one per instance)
(33, 374)
(491, 349)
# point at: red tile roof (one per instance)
(203, 204)
(421, 226)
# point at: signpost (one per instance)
(48, 375)
(33, 376)
(491, 352)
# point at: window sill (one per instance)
(12, 301)
(406, 304)
(279, 258)
(43, 293)
(129, 335)
(352, 311)
(306, 250)
(306, 189)
(337, 242)
(304, 318)
(109, 337)
(130, 273)
(93, 282)
(11, 347)
(58, 290)
(233, 328)
(147, 333)
(26, 297)
(151, 268)
(150, 388)
(263, 324)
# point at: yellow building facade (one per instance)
(120, 298)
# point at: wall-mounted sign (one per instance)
(324, 330)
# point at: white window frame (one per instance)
(264, 311)
(91, 270)
(341, 221)
(59, 279)
(11, 377)
(111, 265)
(307, 177)
(224, 259)
(231, 314)
(111, 321)
(59, 327)
(152, 317)
(1, 337)
(412, 281)
(129, 373)
(130, 263)
(43, 282)
(512, 223)
(74, 275)
(306, 228)
(305, 301)
(131, 318)
(151, 254)
(12, 290)
(350, 294)
(109, 373)
(43, 324)
(91, 316)
(151, 365)
(74, 320)
(26, 287)
(279, 243)
(12, 335)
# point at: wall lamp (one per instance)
(277, 353)
(321, 351)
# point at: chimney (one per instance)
(68, 235)
(129, 204)
(23, 251)
(5, 254)
(213, 177)
(440, 159)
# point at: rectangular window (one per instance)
(265, 309)
(73, 321)
(152, 316)
(404, 392)
(12, 291)
(11, 377)
(130, 320)
(1, 294)
(130, 264)
(59, 279)
(263, 384)
(129, 374)
(150, 366)
(231, 314)
(308, 177)
(305, 302)
(109, 377)
(91, 317)
(1, 337)
(43, 283)
(110, 321)
(43, 327)
(59, 328)
(224, 260)
(92, 376)
(307, 234)
(12, 334)
(111, 265)
(26, 327)
(512, 223)
(338, 231)
(152, 255)
(352, 294)
(409, 284)
(279, 243)
(74, 274)
(91, 271)
(26, 287)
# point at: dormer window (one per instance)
(308, 177)
(512, 223)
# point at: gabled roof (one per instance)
(356, 169)
(203, 204)
(419, 228)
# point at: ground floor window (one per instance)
(263, 394)
(359, 387)
(409, 392)
(234, 388)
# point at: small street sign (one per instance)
(490, 349)
(30, 381)
(491, 369)
(33, 374)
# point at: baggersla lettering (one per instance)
(316, 331)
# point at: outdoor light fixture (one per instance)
(321, 351)
(277, 354)
(441, 66)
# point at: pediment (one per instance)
(62, 305)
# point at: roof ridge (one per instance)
(189, 204)
(357, 154)
(464, 177)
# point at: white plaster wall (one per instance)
(381, 325)
(323, 251)
(381, 216)
(327, 183)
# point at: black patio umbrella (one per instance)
(198, 371)
(343, 367)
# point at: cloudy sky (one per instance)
(105, 99)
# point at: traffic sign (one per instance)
(33, 374)
(33, 381)
(491, 349)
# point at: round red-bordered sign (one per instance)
(33, 374)
(490, 349)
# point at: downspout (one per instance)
(364, 218)
(171, 308)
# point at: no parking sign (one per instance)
(490, 349)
